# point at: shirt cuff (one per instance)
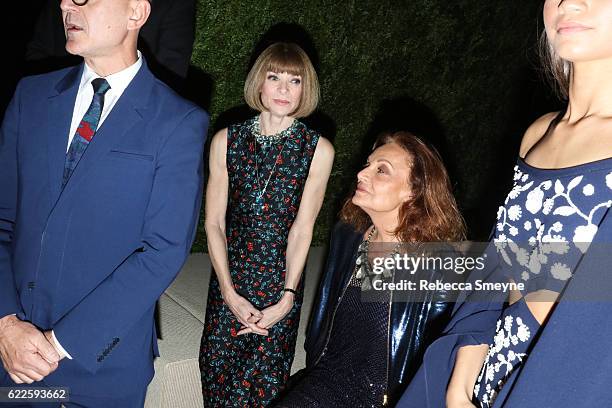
(62, 351)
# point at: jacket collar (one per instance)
(128, 112)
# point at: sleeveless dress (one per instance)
(266, 179)
(544, 228)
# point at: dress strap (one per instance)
(551, 126)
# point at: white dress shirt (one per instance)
(118, 82)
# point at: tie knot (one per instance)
(100, 86)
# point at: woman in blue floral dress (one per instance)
(546, 224)
(537, 346)
(267, 182)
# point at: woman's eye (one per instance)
(296, 81)
(272, 77)
(380, 170)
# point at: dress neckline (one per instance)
(595, 165)
(276, 138)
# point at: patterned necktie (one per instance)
(87, 128)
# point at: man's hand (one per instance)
(25, 352)
(49, 336)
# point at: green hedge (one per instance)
(460, 71)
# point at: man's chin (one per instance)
(73, 48)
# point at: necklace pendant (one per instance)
(360, 272)
(258, 205)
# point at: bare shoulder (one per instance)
(323, 158)
(220, 137)
(324, 150)
(218, 143)
(218, 149)
(535, 131)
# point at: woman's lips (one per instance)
(568, 28)
(281, 102)
(360, 189)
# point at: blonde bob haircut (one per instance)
(283, 57)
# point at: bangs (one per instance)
(280, 58)
(286, 60)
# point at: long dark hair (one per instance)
(556, 70)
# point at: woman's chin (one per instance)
(360, 202)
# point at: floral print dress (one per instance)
(250, 370)
(546, 224)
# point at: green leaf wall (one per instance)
(460, 73)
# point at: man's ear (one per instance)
(140, 13)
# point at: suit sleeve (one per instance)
(9, 298)
(171, 220)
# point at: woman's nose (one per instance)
(571, 5)
(363, 175)
(282, 87)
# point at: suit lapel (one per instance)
(126, 114)
(61, 105)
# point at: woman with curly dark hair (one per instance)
(362, 353)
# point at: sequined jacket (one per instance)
(412, 325)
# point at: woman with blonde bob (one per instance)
(362, 352)
(267, 181)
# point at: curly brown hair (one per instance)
(431, 214)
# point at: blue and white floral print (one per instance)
(509, 349)
(546, 224)
(544, 219)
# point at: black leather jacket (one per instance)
(413, 325)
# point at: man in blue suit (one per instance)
(100, 191)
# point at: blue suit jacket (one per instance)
(90, 261)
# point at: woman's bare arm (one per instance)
(216, 204)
